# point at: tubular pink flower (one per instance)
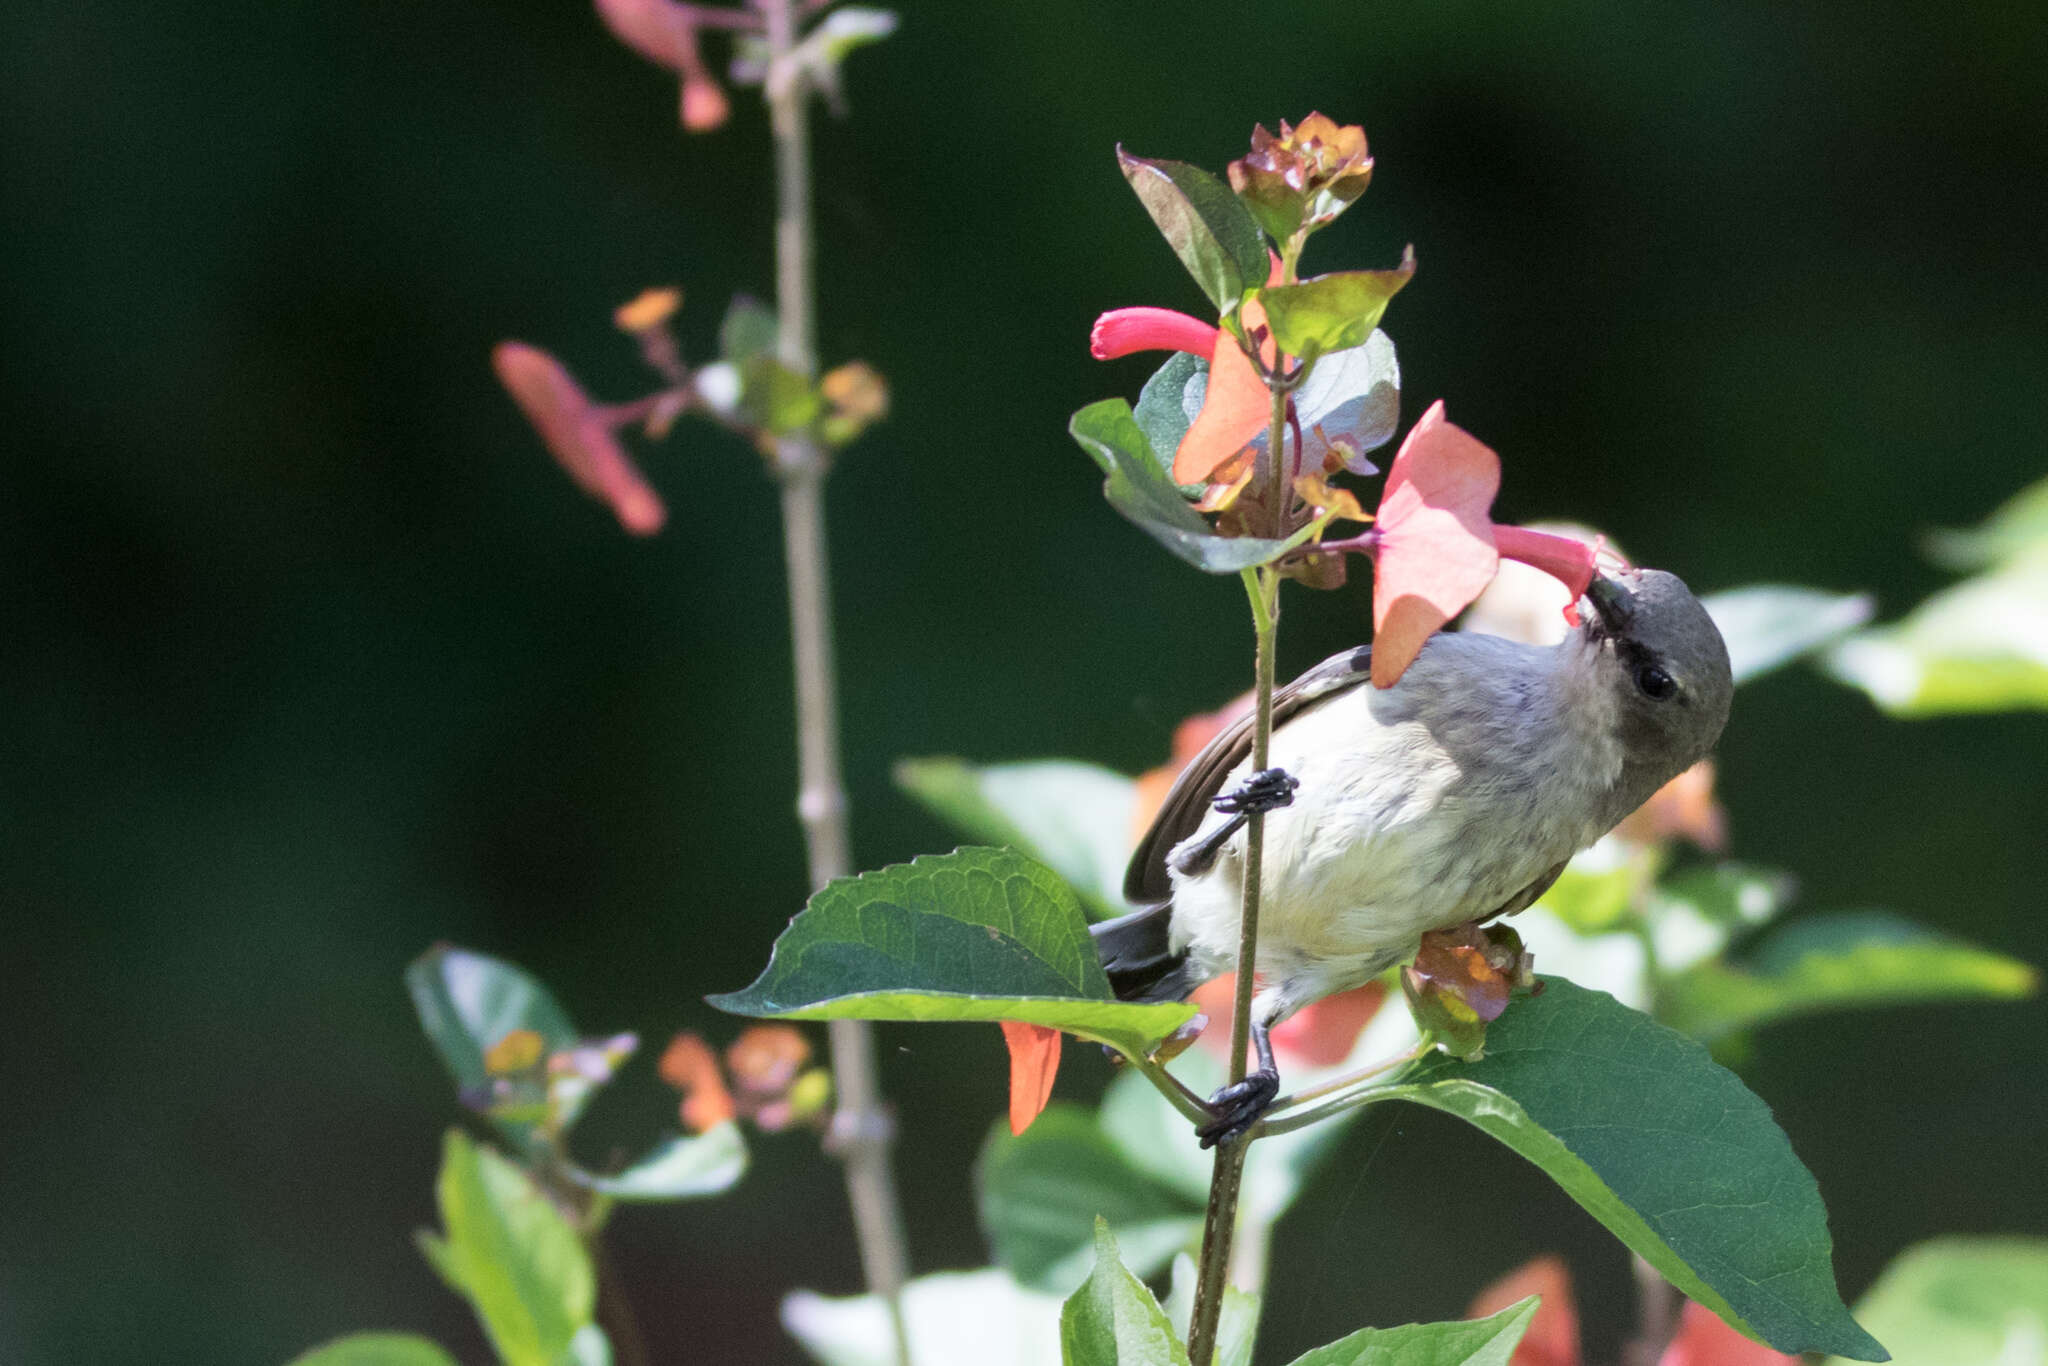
(1127, 331)
(578, 433)
(1565, 558)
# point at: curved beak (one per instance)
(1612, 602)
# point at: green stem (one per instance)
(862, 1130)
(1190, 1105)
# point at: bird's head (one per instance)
(1663, 658)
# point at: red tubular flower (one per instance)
(1127, 331)
(1436, 546)
(579, 434)
(1553, 1337)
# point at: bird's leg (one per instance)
(1267, 790)
(1240, 1104)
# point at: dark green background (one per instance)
(312, 658)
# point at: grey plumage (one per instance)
(1456, 794)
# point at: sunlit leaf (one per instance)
(1335, 312)
(1112, 1320)
(1040, 1193)
(1767, 625)
(1138, 486)
(1963, 1302)
(1597, 890)
(1979, 646)
(510, 1252)
(978, 934)
(1465, 1342)
(2018, 528)
(982, 1317)
(1843, 961)
(1204, 223)
(377, 1349)
(1170, 401)
(1667, 1149)
(678, 1168)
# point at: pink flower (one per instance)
(579, 433)
(1553, 1337)
(665, 33)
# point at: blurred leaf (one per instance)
(1767, 625)
(468, 1004)
(1138, 486)
(510, 1252)
(1204, 223)
(678, 1168)
(377, 1349)
(1468, 1342)
(1040, 1192)
(2018, 528)
(1332, 312)
(748, 330)
(983, 1317)
(978, 934)
(1168, 403)
(1112, 1320)
(1073, 817)
(1693, 914)
(776, 398)
(1963, 1302)
(1663, 1146)
(1598, 889)
(1842, 961)
(590, 1347)
(1237, 1322)
(1979, 646)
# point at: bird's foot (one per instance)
(1267, 790)
(1238, 1106)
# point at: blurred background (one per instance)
(314, 659)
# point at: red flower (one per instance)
(1553, 1336)
(580, 434)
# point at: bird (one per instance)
(1457, 794)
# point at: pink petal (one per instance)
(1235, 408)
(1436, 549)
(1034, 1062)
(1553, 1336)
(1704, 1340)
(1127, 331)
(578, 434)
(659, 30)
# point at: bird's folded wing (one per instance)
(1146, 881)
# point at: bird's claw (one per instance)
(1267, 790)
(1238, 1106)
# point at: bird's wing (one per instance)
(1146, 881)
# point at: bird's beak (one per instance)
(1612, 602)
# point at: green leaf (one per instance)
(1598, 889)
(1666, 1148)
(1695, 913)
(978, 934)
(1977, 647)
(1963, 1302)
(1237, 1321)
(469, 1001)
(2019, 528)
(1332, 312)
(1844, 961)
(377, 1349)
(1470, 1342)
(678, 1168)
(748, 330)
(1041, 1191)
(1168, 405)
(1112, 1320)
(983, 1317)
(510, 1252)
(1073, 817)
(1138, 486)
(1204, 223)
(1769, 625)
(776, 398)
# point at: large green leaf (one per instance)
(1331, 312)
(1666, 1148)
(1204, 223)
(1842, 961)
(1138, 486)
(1469, 1342)
(1767, 625)
(1073, 817)
(677, 1168)
(1041, 1191)
(983, 1317)
(1112, 1320)
(1979, 646)
(377, 1349)
(1963, 1302)
(978, 934)
(512, 1255)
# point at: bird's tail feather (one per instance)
(1138, 954)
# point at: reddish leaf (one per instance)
(1704, 1340)
(1435, 548)
(578, 434)
(1034, 1062)
(1553, 1336)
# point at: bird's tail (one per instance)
(1138, 954)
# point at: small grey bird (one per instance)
(1458, 794)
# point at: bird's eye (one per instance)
(1655, 682)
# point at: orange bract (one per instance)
(1034, 1062)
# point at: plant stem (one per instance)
(1219, 1219)
(861, 1129)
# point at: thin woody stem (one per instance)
(861, 1130)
